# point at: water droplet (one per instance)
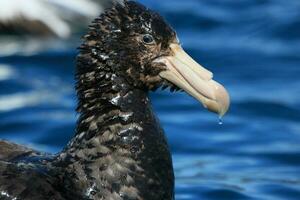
(126, 139)
(113, 77)
(94, 51)
(121, 194)
(115, 100)
(91, 190)
(104, 57)
(220, 121)
(116, 31)
(108, 75)
(126, 116)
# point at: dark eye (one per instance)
(148, 39)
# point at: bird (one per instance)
(119, 150)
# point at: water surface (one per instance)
(253, 48)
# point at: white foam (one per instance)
(24, 99)
(6, 72)
(52, 13)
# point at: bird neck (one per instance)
(119, 147)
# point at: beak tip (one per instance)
(223, 100)
(220, 104)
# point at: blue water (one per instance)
(253, 48)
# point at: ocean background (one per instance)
(253, 48)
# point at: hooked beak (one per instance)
(187, 74)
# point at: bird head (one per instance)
(135, 42)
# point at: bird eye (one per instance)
(148, 39)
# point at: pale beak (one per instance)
(188, 75)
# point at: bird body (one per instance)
(119, 151)
(112, 155)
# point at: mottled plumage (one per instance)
(119, 151)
